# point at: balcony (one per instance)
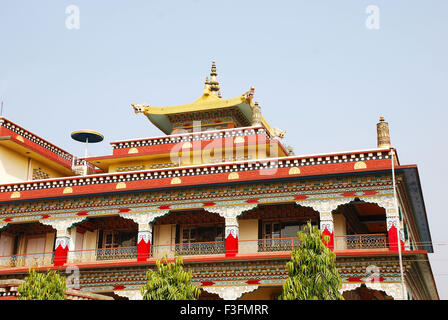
(360, 241)
(267, 245)
(346, 242)
(103, 254)
(27, 260)
(188, 249)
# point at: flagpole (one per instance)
(403, 288)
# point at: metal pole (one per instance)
(85, 157)
(399, 225)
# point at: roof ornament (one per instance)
(139, 108)
(278, 133)
(214, 84)
(249, 95)
(383, 137)
(207, 86)
(256, 114)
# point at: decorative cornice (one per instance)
(231, 292)
(130, 294)
(190, 137)
(62, 225)
(393, 290)
(231, 212)
(325, 205)
(267, 168)
(144, 219)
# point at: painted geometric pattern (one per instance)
(241, 273)
(193, 198)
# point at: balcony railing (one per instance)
(27, 260)
(267, 245)
(120, 253)
(188, 249)
(346, 242)
(360, 241)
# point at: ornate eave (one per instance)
(209, 101)
(239, 171)
(161, 116)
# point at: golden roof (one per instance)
(209, 100)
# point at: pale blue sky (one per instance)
(319, 73)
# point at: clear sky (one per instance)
(319, 73)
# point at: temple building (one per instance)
(219, 188)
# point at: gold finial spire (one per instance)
(383, 137)
(214, 84)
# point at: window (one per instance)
(197, 240)
(117, 245)
(284, 229)
(116, 239)
(202, 234)
(279, 235)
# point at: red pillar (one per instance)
(61, 251)
(393, 238)
(330, 243)
(327, 228)
(231, 240)
(144, 245)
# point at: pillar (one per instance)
(393, 223)
(63, 238)
(61, 248)
(230, 214)
(392, 220)
(327, 228)
(144, 221)
(231, 236)
(325, 208)
(144, 242)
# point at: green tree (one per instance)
(312, 269)
(169, 282)
(42, 286)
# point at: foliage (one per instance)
(312, 270)
(42, 286)
(169, 282)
